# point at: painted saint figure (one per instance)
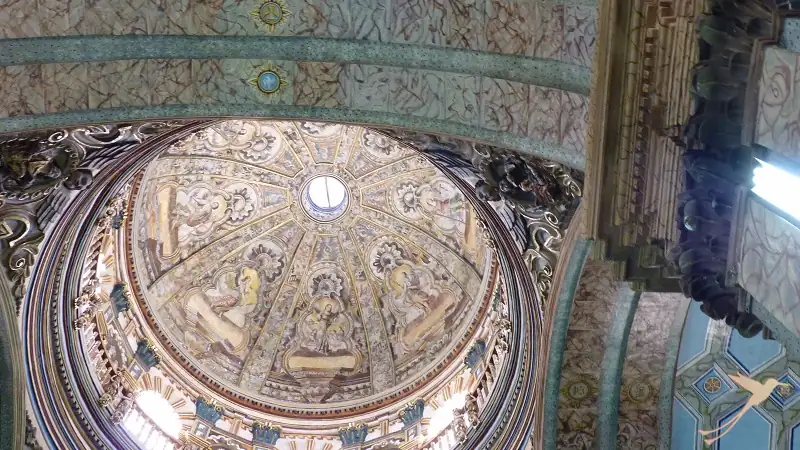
(323, 339)
(217, 317)
(418, 302)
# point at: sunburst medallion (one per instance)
(271, 13)
(269, 80)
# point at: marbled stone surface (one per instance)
(553, 116)
(581, 370)
(115, 84)
(57, 98)
(319, 84)
(18, 19)
(541, 29)
(767, 261)
(644, 366)
(21, 90)
(579, 35)
(777, 126)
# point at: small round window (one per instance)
(325, 198)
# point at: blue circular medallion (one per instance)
(269, 81)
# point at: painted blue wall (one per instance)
(694, 335)
(711, 350)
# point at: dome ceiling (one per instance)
(305, 265)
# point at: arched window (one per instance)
(443, 416)
(161, 414)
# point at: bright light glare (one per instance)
(777, 187)
(443, 416)
(160, 411)
(326, 192)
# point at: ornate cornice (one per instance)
(643, 64)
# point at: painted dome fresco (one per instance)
(300, 267)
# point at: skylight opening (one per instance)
(326, 192)
(777, 187)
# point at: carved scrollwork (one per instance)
(122, 409)
(20, 238)
(38, 176)
(112, 389)
(544, 194)
(486, 235)
(88, 298)
(527, 184)
(32, 167)
(502, 328)
(543, 248)
(459, 424)
(115, 213)
(472, 409)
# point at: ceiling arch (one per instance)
(511, 74)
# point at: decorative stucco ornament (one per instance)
(269, 80)
(271, 13)
(40, 173)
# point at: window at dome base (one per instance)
(153, 422)
(443, 415)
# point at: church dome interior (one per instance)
(295, 279)
(394, 224)
(302, 306)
